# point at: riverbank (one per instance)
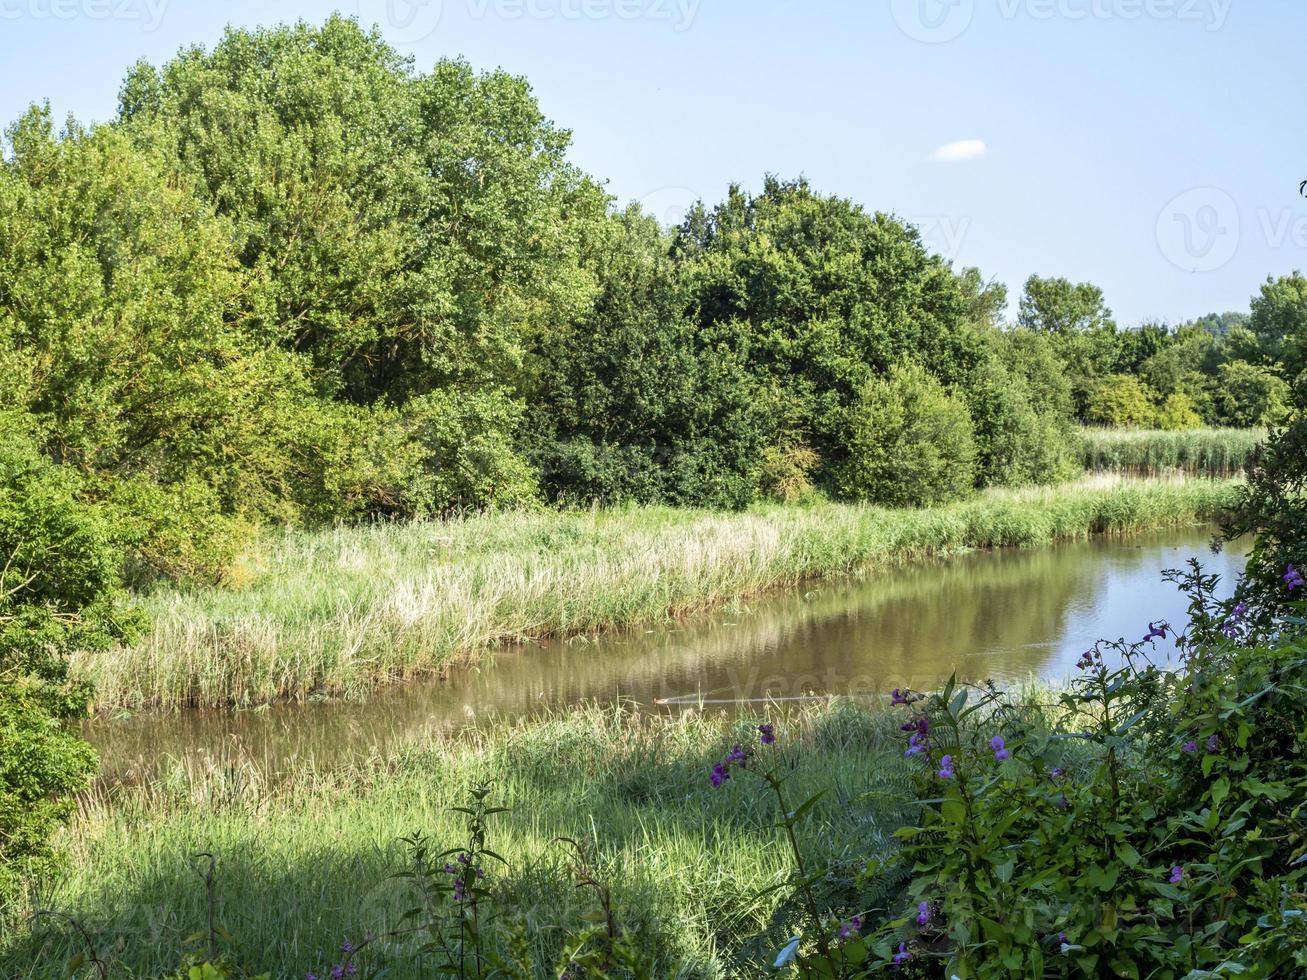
(306, 859)
(340, 612)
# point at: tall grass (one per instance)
(306, 858)
(1148, 452)
(340, 611)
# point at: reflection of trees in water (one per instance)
(980, 614)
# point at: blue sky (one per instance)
(1150, 146)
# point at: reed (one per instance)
(338, 612)
(1147, 452)
(306, 858)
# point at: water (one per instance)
(1007, 615)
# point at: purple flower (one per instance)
(898, 697)
(851, 928)
(481, 875)
(1177, 875)
(347, 947)
(337, 973)
(737, 756)
(923, 914)
(463, 859)
(1293, 578)
(946, 767)
(1061, 937)
(719, 774)
(766, 734)
(1061, 803)
(458, 889)
(1189, 746)
(916, 745)
(1001, 753)
(1057, 773)
(310, 976)
(449, 869)
(1213, 743)
(1155, 632)
(902, 956)
(1240, 611)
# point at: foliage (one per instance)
(1059, 306)
(58, 591)
(910, 442)
(1178, 413)
(1279, 322)
(1016, 444)
(1246, 395)
(1121, 400)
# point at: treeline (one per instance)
(296, 280)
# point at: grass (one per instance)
(338, 612)
(1148, 452)
(306, 858)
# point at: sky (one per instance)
(1152, 147)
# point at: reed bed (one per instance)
(337, 612)
(1149, 452)
(306, 858)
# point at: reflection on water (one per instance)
(1007, 615)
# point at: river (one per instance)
(1011, 615)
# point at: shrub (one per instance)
(1246, 395)
(1178, 413)
(1015, 443)
(910, 442)
(1121, 400)
(58, 591)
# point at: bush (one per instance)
(1178, 413)
(910, 442)
(58, 592)
(1015, 443)
(1121, 400)
(1246, 395)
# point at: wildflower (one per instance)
(347, 947)
(851, 928)
(337, 973)
(1061, 803)
(458, 889)
(902, 956)
(449, 869)
(1155, 632)
(916, 745)
(1177, 875)
(1213, 743)
(1001, 754)
(737, 756)
(310, 976)
(1189, 746)
(1293, 578)
(719, 774)
(923, 914)
(897, 697)
(481, 875)
(1061, 937)
(1240, 611)
(946, 767)
(1057, 773)
(463, 859)
(766, 734)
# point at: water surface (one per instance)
(1009, 615)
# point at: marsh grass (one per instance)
(306, 857)
(338, 612)
(1150, 452)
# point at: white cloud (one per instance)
(959, 151)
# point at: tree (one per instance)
(1122, 400)
(819, 297)
(59, 591)
(1247, 395)
(910, 442)
(1059, 306)
(1279, 320)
